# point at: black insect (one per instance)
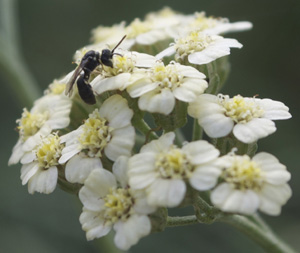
(88, 63)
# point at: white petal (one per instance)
(141, 205)
(79, 167)
(96, 186)
(17, 153)
(164, 192)
(188, 71)
(253, 130)
(190, 89)
(218, 49)
(151, 37)
(200, 152)
(68, 152)
(119, 169)
(115, 109)
(118, 82)
(230, 200)
(94, 225)
(275, 172)
(167, 52)
(205, 177)
(160, 145)
(129, 232)
(210, 115)
(274, 110)
(43, 181)
(28, 171)
(273, 197)
(229, 27)
(143, 60)
(141, 87)
(34, 140)
(121, 143)
(157, 101)
(28, 157)
(141, 170)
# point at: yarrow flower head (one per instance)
(253, 184)
(39, 168)
(112, 142)
(162, 169)
(109, 202)
(162, 84)
(107, 131)
(199, 47)
(248, 118)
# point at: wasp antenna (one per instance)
(118, 44)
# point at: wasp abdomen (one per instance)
(85, 91)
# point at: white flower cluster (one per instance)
(98, 149)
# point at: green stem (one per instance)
(266, 239)
(181, 221)
(180, 138)
(260, 222)
(12, 65)
(141, 125)
(197, 131)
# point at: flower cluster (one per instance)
(124, 171)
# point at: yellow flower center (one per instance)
(194, 42)
(118, 205)
(244, 174)
(122, 64)
(173, 164)
(30, 123)
(137, 27)
(96, 134)
(201, 22)
(49, 151)
(239, 109)
(57, 88)
(166, 76)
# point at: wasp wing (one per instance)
(70, 83)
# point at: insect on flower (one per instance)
(88, 63)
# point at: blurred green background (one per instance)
(268, 65)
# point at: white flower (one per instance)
(162, 85)
(48, 113)
(200, 48)
(124, 71)
(211, 25)
(107, 206)
(107, 131)
(108, 34)
(249, 118)
(162, 169)
(39, 168)
(253, 184)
